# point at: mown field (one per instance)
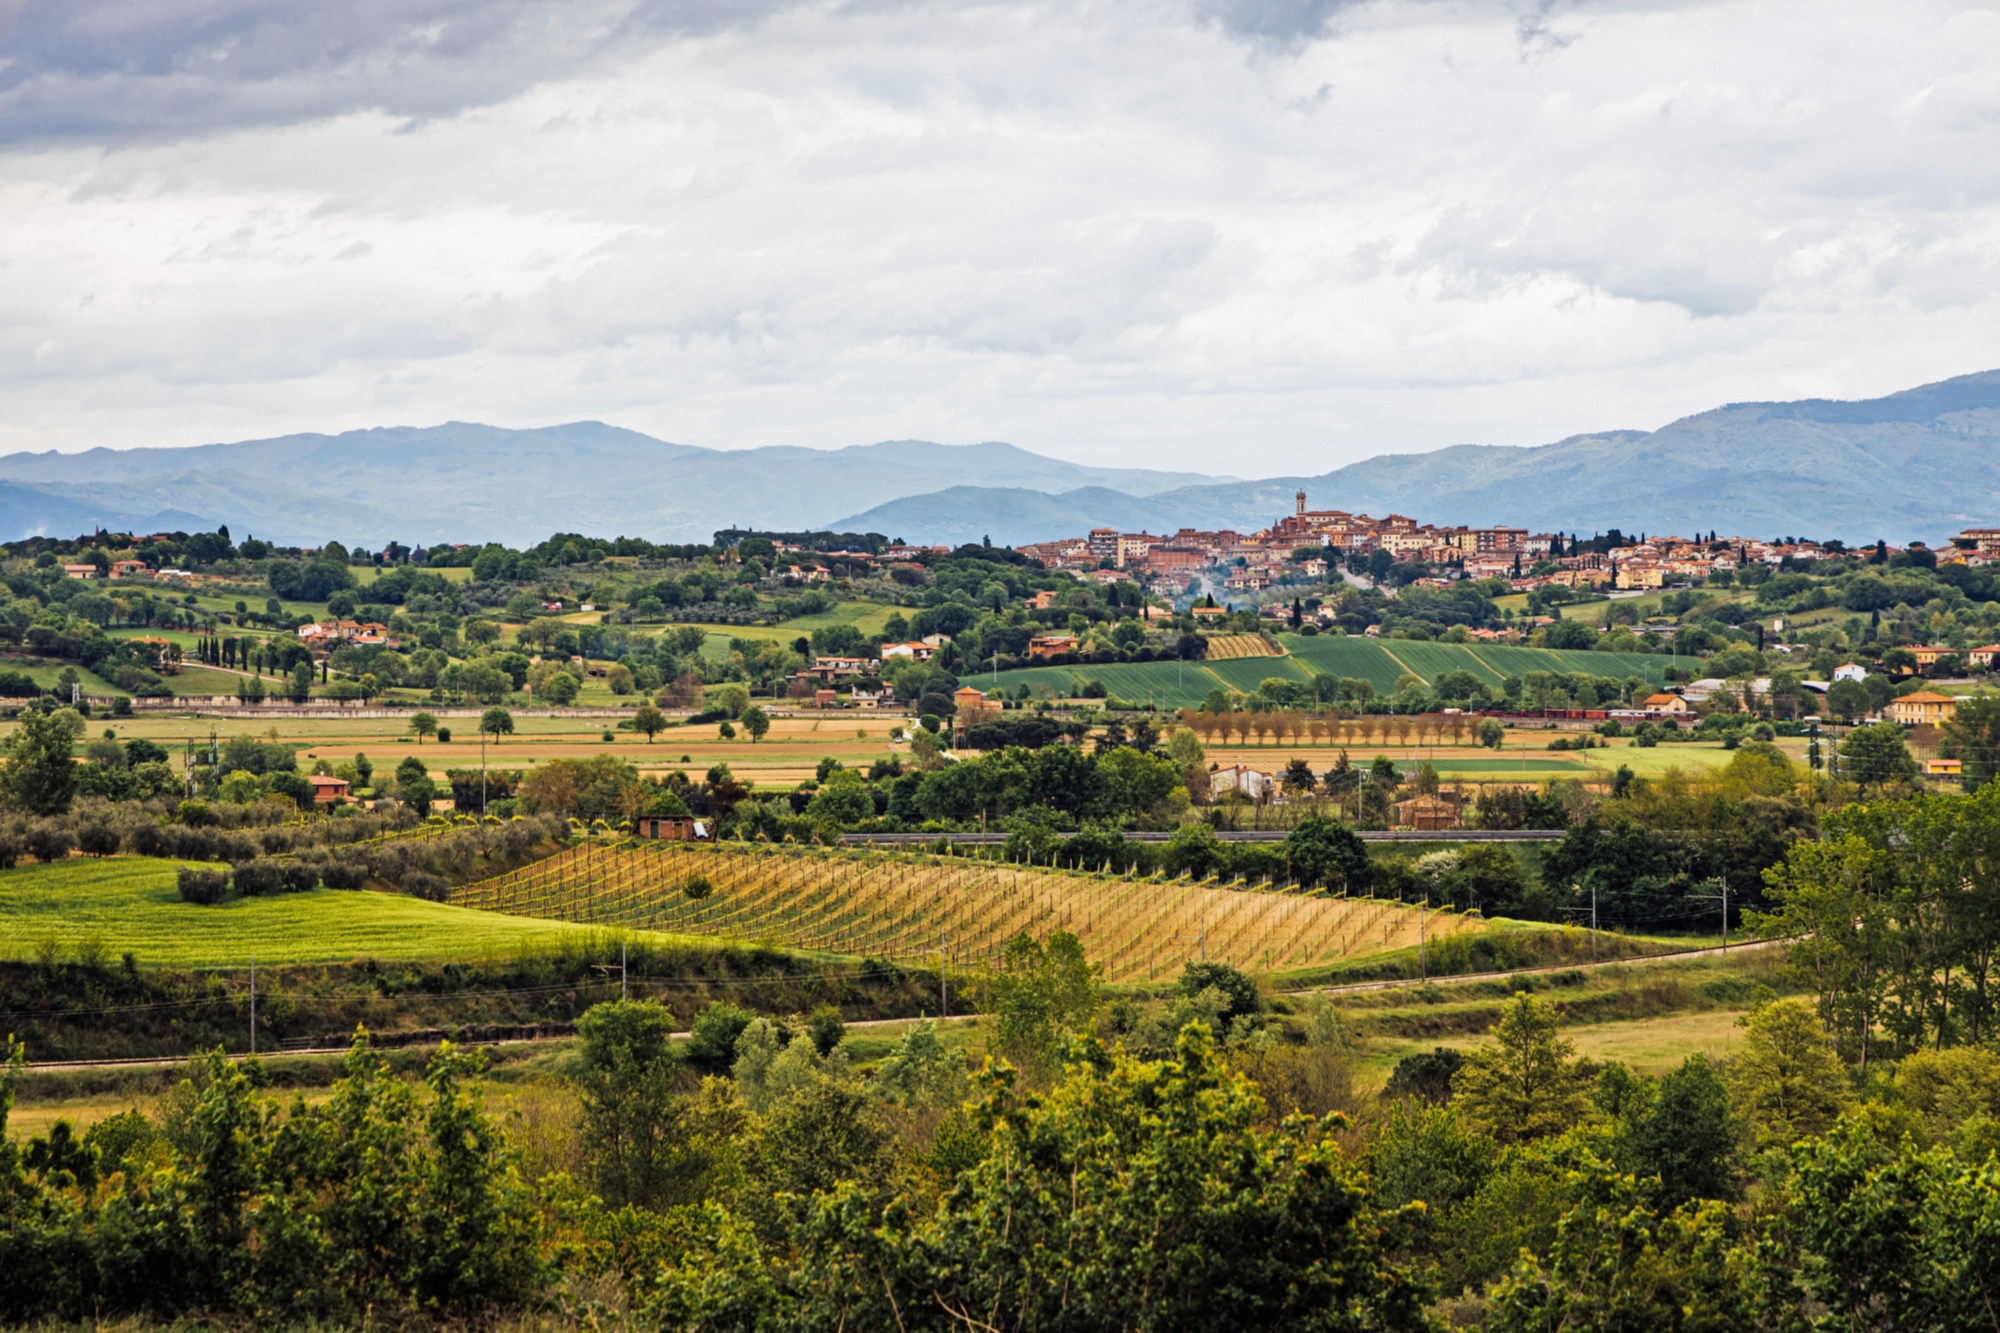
(131, 905)
(1379, 662)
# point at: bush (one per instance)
(1425, 1076)
(97, 838)
(49, 840)
(431, 888)
(257, 878)
(204, 888)
(1244, 998)
(298, 876)
(712, 1040)
(343, 874)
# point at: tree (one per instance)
(1490, 732)
(1321, 852)
(40, 776)
(1524, 1085)
(1136, 1194)
(1876, 755)
(1685, 1135)
(424, 724)
(302, 683)
(757, 722)
(649, 720)
(1974, 730)
(1042, 990)
(1571, 634)
(496, 722)
(649, 1145)
(1788, 1082)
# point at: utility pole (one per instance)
(1423, 961)
(253, 1006)
(623, 993)
(944, 990)
(1723, 885)
(482, 768)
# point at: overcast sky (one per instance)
(1243, 236)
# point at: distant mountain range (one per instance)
(468, 482)
(1923, 463)
(1918, 464)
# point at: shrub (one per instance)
(1425, 1076)
(1240, 990)
(697, 887)
(712, 1040)
(204, 888)
(298, 876)
(259, 877)
(431, 888)
(97, 838)
(343, 874)
(49, 840)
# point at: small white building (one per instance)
(1257, 785)
(1850, 671)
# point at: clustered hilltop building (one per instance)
(1307, 540)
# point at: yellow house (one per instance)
(1922, 709)
(1665, 703)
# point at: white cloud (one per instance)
(1259, 236)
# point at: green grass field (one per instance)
(1379, 662)
(868, 617)
(131, 905)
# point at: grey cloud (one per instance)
(111, 70)
(1273, 22)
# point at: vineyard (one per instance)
(1228, 647)
(908, 906)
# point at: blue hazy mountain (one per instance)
(468, 482)
(1917, 464)
(1922, 463)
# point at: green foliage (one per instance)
(1787, 1082)
(1244, 999)
(1042, 991)
(1086, 1209)
(1321, 852)
(40, 774)
(376, 1199)
(1874, 756)
(1525, 1085)
(712, 1039)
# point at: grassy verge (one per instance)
(1651, 1016)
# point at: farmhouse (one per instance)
(327, 790)
(1257, 785)
(1922, 709)
(1665, 703)
(921, 652)
(1048, 645)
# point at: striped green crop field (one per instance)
(131, 904)
(1380, 662)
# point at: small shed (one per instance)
(667, 828)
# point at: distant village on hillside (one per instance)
(1302, 545)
